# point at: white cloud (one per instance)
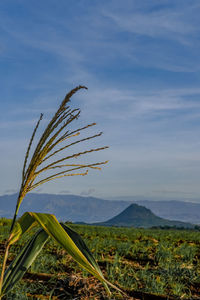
(122, 104)
(165, 22)
(150, 121)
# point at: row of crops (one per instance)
(147, 261)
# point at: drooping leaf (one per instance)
(84, 249)
(51, 225)
(26, 222)
(62, 234)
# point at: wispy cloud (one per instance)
(121, 104)
(88, 192)
(141, 64)
(163, 36)
(11, 191)
(164, 23)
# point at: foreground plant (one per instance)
(44, 159)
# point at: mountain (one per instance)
(174, 210)
(139, 216)
(65, 207)
(90, 209)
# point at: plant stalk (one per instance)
(7, 250)
(14, 219)
(3, 268)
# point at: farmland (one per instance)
(141, 262)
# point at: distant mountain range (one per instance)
(139, 216)
(65, 207)
(90, 210)
(174, 210)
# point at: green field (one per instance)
(139, 261)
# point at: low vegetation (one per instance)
(142, 262)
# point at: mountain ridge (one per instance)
(66, 207)
(139, 216)
(91, 209)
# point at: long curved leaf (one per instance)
(51, 225)
(62, 234)
(23, 260)
(23, 224)
(84, 249)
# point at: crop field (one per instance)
(144, 263)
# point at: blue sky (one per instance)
(140, 61)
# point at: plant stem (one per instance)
(13, 220)
(7, 250)
(3, 268)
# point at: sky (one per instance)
(140, 61)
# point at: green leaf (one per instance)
(23, 260)
(63, 235)
(23, 224)
(51, 225)
(84, 249)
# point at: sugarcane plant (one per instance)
(43, 159)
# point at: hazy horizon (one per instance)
(134, 198)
